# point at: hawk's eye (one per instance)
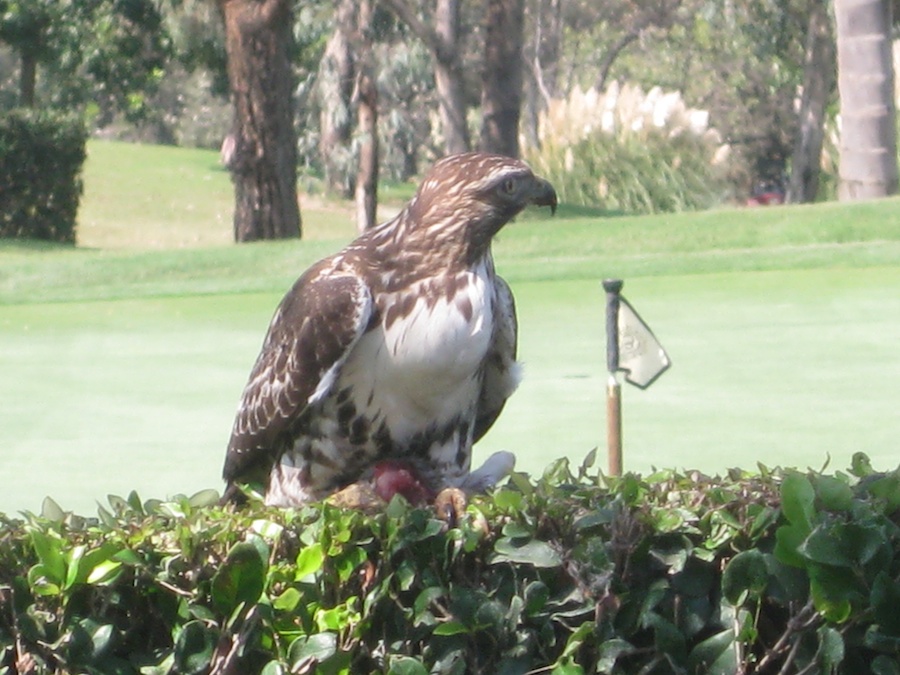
(509, 186)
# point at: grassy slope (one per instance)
(120, 353)
(158, 197)
(567, 247)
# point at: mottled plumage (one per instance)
(401, 346)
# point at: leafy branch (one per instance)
(775, 571)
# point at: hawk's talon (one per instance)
(451, 504)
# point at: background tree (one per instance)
(152, 70)
(743, 62)
(818, 86)
(501, 92)
(543, 48)
(102, 54)
(445, 42)
(264, 170)
(405, 88)
(337, 71)
(366, 96)
(635, 19)
(868, 165)
(27, 28)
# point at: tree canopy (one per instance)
(439, 74)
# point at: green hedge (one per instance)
(780, 571)
(41, 155)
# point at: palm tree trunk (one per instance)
(868, 146)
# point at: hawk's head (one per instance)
(469, 197)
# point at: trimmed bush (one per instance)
(41, 155)
(779, 571)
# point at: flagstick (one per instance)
(614, 425)
(613, 389)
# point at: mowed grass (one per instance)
(122, 362)
(161, 197)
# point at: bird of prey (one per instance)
(399, 348)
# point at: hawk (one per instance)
(399, 348)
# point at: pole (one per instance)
(613, 288)
(614, 426)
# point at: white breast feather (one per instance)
(423, 368)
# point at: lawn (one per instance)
(123, 359)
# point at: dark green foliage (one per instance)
(779, 571)
(41, 155)
(98, 56)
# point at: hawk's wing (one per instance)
(313, 331)
(501, 371)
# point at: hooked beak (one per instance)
(543, 194)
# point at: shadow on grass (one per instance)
(573, 212)
(36, 245)
(578, 211)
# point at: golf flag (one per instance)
(641, 355)
(631, 347)
(630, 344)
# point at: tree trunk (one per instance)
(448, 78)
(501, 93)
(609, 58)
(868, 149)
(444, 42)
(264, 170)
(453, 108)
(367, 111)
(542, 66)
(367, 176)
(336, 76)
(818, 81)
(27, 78)
(550, 49)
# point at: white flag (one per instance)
(640, 355)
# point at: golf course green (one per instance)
(122, 359)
